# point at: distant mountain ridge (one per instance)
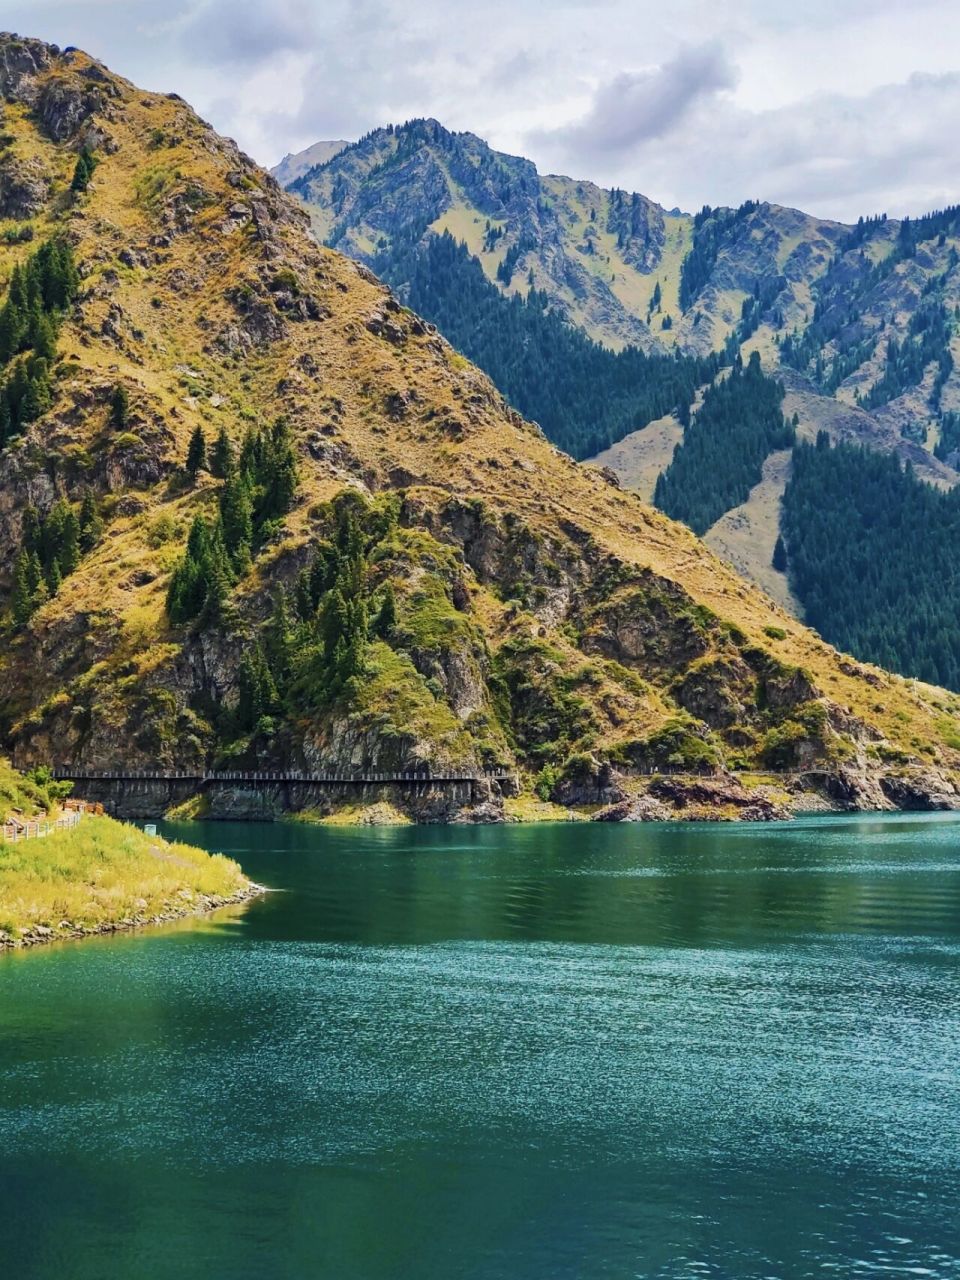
(294, 166)
(859, 322)
(600, 253)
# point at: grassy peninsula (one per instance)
(100, 876)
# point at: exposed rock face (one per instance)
(591, 782)
(639, 809)
(24, 187)
(434, 802)
(63, 106)
(921, 792)
(717, 794)
(702, 799)
(21, 61)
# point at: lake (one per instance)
(513, 1053)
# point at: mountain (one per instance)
(255, 512)
(525, 273)
(294, 166)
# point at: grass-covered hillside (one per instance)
(256, 512)
(98, 874)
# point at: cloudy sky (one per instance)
(839, 107)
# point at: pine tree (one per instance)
(278, 640)
(196, 452)
(37, 398)
(222, 457)
(236, 514)
(22, 600)
(256, 691)
(780, 555)
(43, 337)
(304, 602)
(36, 580)
(278, 472)
(119, 407)
(217, 581)
(387, 615)
(91, 524)
(83, 170)
(30, 528)
(68, 555)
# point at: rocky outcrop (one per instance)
(714, 796)
(21, 61)
(718, 799)
(24, 187)
(64, 105)
(856, 788)
(920, 792)
(637, 809)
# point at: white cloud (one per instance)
(836, 155)
(698, 100)
(640, 106)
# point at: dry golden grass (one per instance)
(746, 535)
(105, 872)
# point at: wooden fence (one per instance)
(15, 828)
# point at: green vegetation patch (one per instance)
(103, 872)
(872, 557)
(724, 447)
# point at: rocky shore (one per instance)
(200, 904)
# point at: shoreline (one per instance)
(593, 793)
(205, 904)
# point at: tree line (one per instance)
(258, 490)
(38, 293)
(584, 396)
(872, 556)
(317, 635)
(50, 549)
(723, 449)
(712, 229)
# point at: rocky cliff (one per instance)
(449, 589)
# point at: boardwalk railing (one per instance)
(414, 775)
(30, 830)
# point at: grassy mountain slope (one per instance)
(819, 301)
(541, 615)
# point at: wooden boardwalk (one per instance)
(414, 776)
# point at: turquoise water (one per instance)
(535, 1053)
